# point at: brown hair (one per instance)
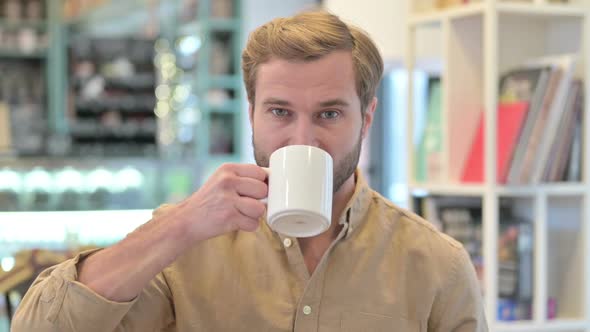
(308, 36)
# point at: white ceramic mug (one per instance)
(300, 191)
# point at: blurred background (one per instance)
(110, 108)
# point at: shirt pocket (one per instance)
(363, 322)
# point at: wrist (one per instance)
(180, 229)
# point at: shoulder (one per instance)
(418, 238)
(409, 223)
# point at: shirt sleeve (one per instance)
(459, 305)
(57, 302)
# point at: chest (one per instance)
(346, 292)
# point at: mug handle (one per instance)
(267, 170)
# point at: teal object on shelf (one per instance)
(38, 25)
(219, 119)
(16, 54)
(220, 115)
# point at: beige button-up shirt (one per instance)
(388, 270)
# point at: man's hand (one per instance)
(228, 201)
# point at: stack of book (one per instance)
(539, 126)
(461, 218)
(539, 129)
(430, 148)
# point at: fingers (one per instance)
(246, 170)
(251, 211)
(250, 207)
(248, 225)
(250, 187)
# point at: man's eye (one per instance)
(279, 112)
(329, 115)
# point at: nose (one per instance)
(304, 133)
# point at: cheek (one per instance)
(336, 144)
(266, 138)
(341, 143)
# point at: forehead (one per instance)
(330, 76)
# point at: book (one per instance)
(529, 139)
(546, 85)
(575, 159)
(461, 219)
(5, 131)
(556, 165)
(515, 261)
(429, 158)
(510, 120)
(574, 133)
(520, 92)
(512, 310)
(521, 84)
(549, 127)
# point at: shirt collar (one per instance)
(354, 213)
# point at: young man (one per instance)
(211, 264)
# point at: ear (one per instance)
(368, 120)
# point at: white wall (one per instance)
(384, 20)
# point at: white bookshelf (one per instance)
(553, 189)
(469, 46)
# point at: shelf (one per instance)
(140, 130)
(224, 24)
(214, 24)
(132, 104)
(225, 82)
(143, 81)
(550, 326)
(437, 17)
(552, 189)
(110, 10)
(15, 54)
(479, 8)
(228, 107)
(477, 44)
(190, 28)
(120, 18)
(37, 25)
(114, 137)
(548, 10)
(446, 189)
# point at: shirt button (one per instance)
(307, 310)
(287, 242)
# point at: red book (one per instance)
(511, 118)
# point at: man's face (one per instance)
(310, 103)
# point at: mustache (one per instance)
(343, 169)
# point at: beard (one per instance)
(343, 169)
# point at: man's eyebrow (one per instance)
(326, 103)
(334, 102)
(276, 101)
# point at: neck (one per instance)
(340, 200)
(313, 248)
